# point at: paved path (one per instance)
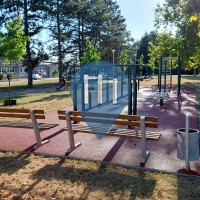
(114, 149)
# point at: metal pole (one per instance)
(160, 74)
(129, 91)
(171, 74)
(113, 51)
(135, 90)
(187, 142)
(165, 76)
(90, 100)
(75, 95)
(122, 81)
(82, 91)
(138, 71)
(179, 75)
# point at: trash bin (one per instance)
(193, 144)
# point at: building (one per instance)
(44, 69)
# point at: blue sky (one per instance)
(139, 15)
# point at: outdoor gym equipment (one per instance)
(80, 87)
(100, 82)
(162, 93)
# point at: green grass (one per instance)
(21, 86)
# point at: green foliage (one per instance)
(185, 18)
(123, 57)
(13, 42)
(1, 76)
(91, 54)
(141, 61)
(9, 76)
(54, 72)
(143, 44)
(165, 46)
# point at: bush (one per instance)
(1, 76)
(54, 72)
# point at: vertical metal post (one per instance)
(145, 153)
(90, 100)
(171, 74)
(70, 133)
(179, 75)
(165, 76)
(100, 77)
(130, 97)
(86, 85)
(187, 142)
(82, 90)
(122, 81)
(115, 90)
(160, 74)
(107, 90)
(74, 96)
(135, 90)
(138, 72)
(36, 130)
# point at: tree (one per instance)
(13, 41)
(142, 48)
(184, 16)
(91, 54)
(164, 45)
(123, 57)
(33, 20)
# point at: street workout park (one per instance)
(115, 120)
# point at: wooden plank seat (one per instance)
(18, 124)
(32, 114)
(120, 120)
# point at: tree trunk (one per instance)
(195, 71)
(28, 51)
(59, 43)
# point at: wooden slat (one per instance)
(40, 116)
(19, 110)
(42, 126)
(62, 117)
(13, 115)
(14, 110)
(122, 131)
(61, 112)
(117, 122)
(114, 116)
(116, 132)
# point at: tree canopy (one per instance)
(13, 41)
(184, 17)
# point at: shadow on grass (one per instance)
(191, 78)
(51, 97)
(25, 87)
(11, 164)
(107, 181)
(188, 188)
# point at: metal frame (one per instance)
(36, 131)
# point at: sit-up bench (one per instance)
(101, 118)
(32, 114)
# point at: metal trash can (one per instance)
(193, 144)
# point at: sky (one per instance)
(139, 15)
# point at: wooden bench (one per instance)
(119, 120)
(32, 114)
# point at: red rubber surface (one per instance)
(120, 150)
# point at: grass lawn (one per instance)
(28, 177)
